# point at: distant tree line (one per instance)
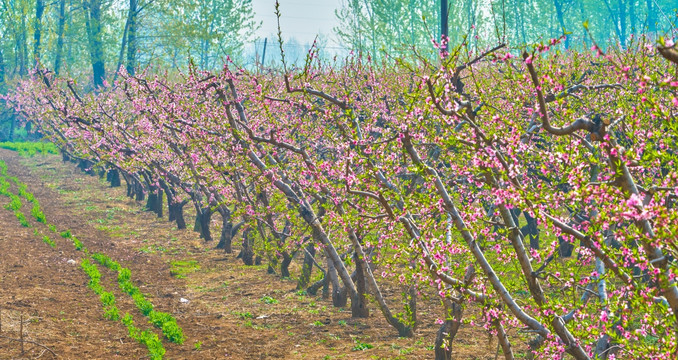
(394, 27)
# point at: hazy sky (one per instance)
(301, 19)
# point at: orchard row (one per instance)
(539, 188)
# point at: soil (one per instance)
(226, 310)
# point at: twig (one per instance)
(22, 341)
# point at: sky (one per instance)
(301, 19)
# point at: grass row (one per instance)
(111, 311)
(164, 321)
(15, 203)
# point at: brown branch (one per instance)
(30, 342)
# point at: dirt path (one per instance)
(233, 311)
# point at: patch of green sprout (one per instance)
(269, 300)
(148, 338)
(48, 241)
(22, 219)
(361, 346)
(180, 269)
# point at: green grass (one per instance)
(30, 149)
(181, 268)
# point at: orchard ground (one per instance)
(233, 311)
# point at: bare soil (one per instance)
(226, 310)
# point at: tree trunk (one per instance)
(60, 37)
(559, 14)
(176, 209)
(226, 227)
(132, 37)
(632, 16)
(123, 47)
(113, 176)
(448, 330)
(651, 17)
(93, 25)
(37, 30)
(22, 46)
(307, 267)
(359, 308)
(339, 294)
(202, 223)
(622, 22)
(247, 253)
(285, 264)
(2, 70)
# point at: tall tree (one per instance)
(651, 17)
(2, 69)
(132, 37)
(93, 25)
(60, 36)
(559, 6)
(37, 29)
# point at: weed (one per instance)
(22, 219)
(244, 315)
(197, 345)
(37, 213)
(180, 269)
(48, 241)
(361, 346)
(269, 300)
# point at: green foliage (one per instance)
(66, 234)
(197, 345)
